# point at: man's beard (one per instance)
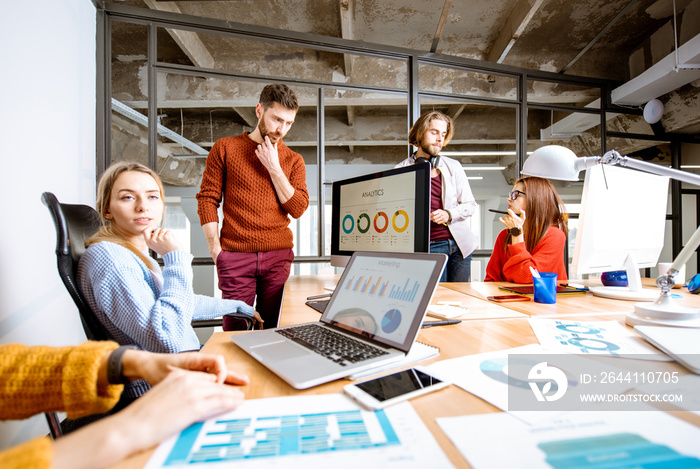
(429, 149)
(265, 132)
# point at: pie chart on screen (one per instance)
(391, 321)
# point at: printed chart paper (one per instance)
(486, 375)
(579, 439)
(594, 338)
(304, 431)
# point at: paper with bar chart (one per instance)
(304, 431)
(385, 295)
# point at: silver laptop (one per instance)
(373, 317)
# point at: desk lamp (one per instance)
(557, 162)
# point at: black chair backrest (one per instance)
(74, 224)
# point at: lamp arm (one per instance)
(613, 157)
(686, 252)
(586, 162)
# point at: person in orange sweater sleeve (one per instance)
(86, 379)
(535, 234)
(262, 182)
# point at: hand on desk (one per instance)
(155, 367)
(180, 399)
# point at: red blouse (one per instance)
(513, 263)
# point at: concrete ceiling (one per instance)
(607, 39)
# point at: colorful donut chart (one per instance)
(352, 224)
(366, 228)
(393, 221)
(386, 222)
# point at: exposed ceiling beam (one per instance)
(367, 143)
(347, 9)
(351, 115)
(248, 115)
(441, 25)
(520, 17)
(188, 41)
(598, 36)
(139, 118)
(661, 78)
(331, 102)
(455, 110)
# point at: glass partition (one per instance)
(563, 93)
(484, 142)
(189, 126)
(129, 106)
(205, 91)
(467, 82)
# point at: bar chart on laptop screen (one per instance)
(405, 291)
(382, 296)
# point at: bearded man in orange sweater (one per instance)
(262, 182)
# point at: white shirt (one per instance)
(457, 197)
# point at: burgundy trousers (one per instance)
(244, 276)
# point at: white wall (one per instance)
(47, 130)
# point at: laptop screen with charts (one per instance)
(373, 317)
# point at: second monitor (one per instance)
(621, 227)
(386, 211)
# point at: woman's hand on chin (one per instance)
(161, 240)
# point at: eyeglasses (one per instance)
(515, 194)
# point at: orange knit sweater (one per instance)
(254, 218)
(44, 379)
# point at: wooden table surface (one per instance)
(467, 338)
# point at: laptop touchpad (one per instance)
(281, 351)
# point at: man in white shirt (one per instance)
(451, 201)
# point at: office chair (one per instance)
(74, 224)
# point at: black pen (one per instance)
(441, 323)
(498, 211)
(325, 295)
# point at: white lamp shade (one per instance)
(552, 162)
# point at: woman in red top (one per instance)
(535, 234)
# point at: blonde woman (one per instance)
(137, 302)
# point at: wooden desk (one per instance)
(300, 287)
(467, 338)
(570, 304)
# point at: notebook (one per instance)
(529, 289)
(373, 318)
(680, 343)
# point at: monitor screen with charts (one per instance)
(386, 211)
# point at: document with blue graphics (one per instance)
(304, 431)
(592, 440)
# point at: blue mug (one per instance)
(617, 278)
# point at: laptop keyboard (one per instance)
(336, 347)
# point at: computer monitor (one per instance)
(621, 227)
(383, 211)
